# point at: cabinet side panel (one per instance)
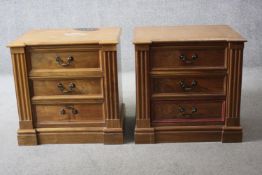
(120, 73)
(234, 64)
(142, 87)
(22, 87)
(109, 54)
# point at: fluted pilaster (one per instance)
(22, 87)
(142, 86)
(111, 84)
(234, 64)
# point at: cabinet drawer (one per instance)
(87, 86)
(176, 57)
(188, 84)
(64, 58)
(187, 111)
(68, 113)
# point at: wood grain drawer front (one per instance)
(60, 59)
(172, 57)
(69, 113)
(88, 86)
(191, 111)
(188, 84)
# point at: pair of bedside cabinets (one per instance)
(188, 85)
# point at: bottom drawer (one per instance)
(187, 111)
(68, 114)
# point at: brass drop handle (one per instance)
(64, 110)
(60, 62)
(184, 58)
(186, 87)
(71, 87)
(182, 110)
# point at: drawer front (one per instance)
(68, 114)
(173, 57)
(188, 84)
(65, 59)
(187, 111)
(87, 86)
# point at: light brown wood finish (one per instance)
(84, 86)
(82, 57)
(68, 114)
(209, 110)
(145, 134)
(41, 37)
(28, 135)
(68, 101)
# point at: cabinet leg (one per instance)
(113, 137)
(232, 134)
(27, 137)
(144, 135)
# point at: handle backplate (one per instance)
(184, 113)
(63, 63)
(71, 87)
(186, 60)
(65, 109)
(186, 87)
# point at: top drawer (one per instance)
(64, 57)
(168, 57)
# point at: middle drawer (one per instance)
(81, 86)
(189, 84)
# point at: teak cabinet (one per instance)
(67, 86)
(188, 83)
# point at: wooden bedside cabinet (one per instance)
(67, 86)
(188, 84)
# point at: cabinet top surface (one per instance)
(109, 35)
(186, 33)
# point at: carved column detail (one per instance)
(234, 65)
(111, 84)
(142, 87)
(22, 87)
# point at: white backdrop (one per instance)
(19, 16)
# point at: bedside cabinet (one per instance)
(67, 86)
(188, 84)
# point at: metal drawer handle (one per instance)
(66, 108)
(184, 58)
(71, 87)
(69, 60)
(186, 87)
(183, 111)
